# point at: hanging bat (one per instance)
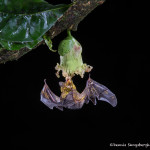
(70, 98)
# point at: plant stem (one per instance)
(70, 20)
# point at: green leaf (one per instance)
(18, 45)
(24, 22)
(1, 47)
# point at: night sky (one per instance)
(110, 38)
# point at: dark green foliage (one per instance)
(24, 22)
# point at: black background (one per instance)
(110, 37)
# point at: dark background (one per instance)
(110, 37)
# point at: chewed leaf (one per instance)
(27, 20)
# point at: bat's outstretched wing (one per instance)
(101, 92)
(49, 98)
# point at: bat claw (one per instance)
(44, 80)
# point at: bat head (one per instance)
(66, 87)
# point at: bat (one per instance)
(70, 98)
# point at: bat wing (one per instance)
(50, 99)
(101, 92)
